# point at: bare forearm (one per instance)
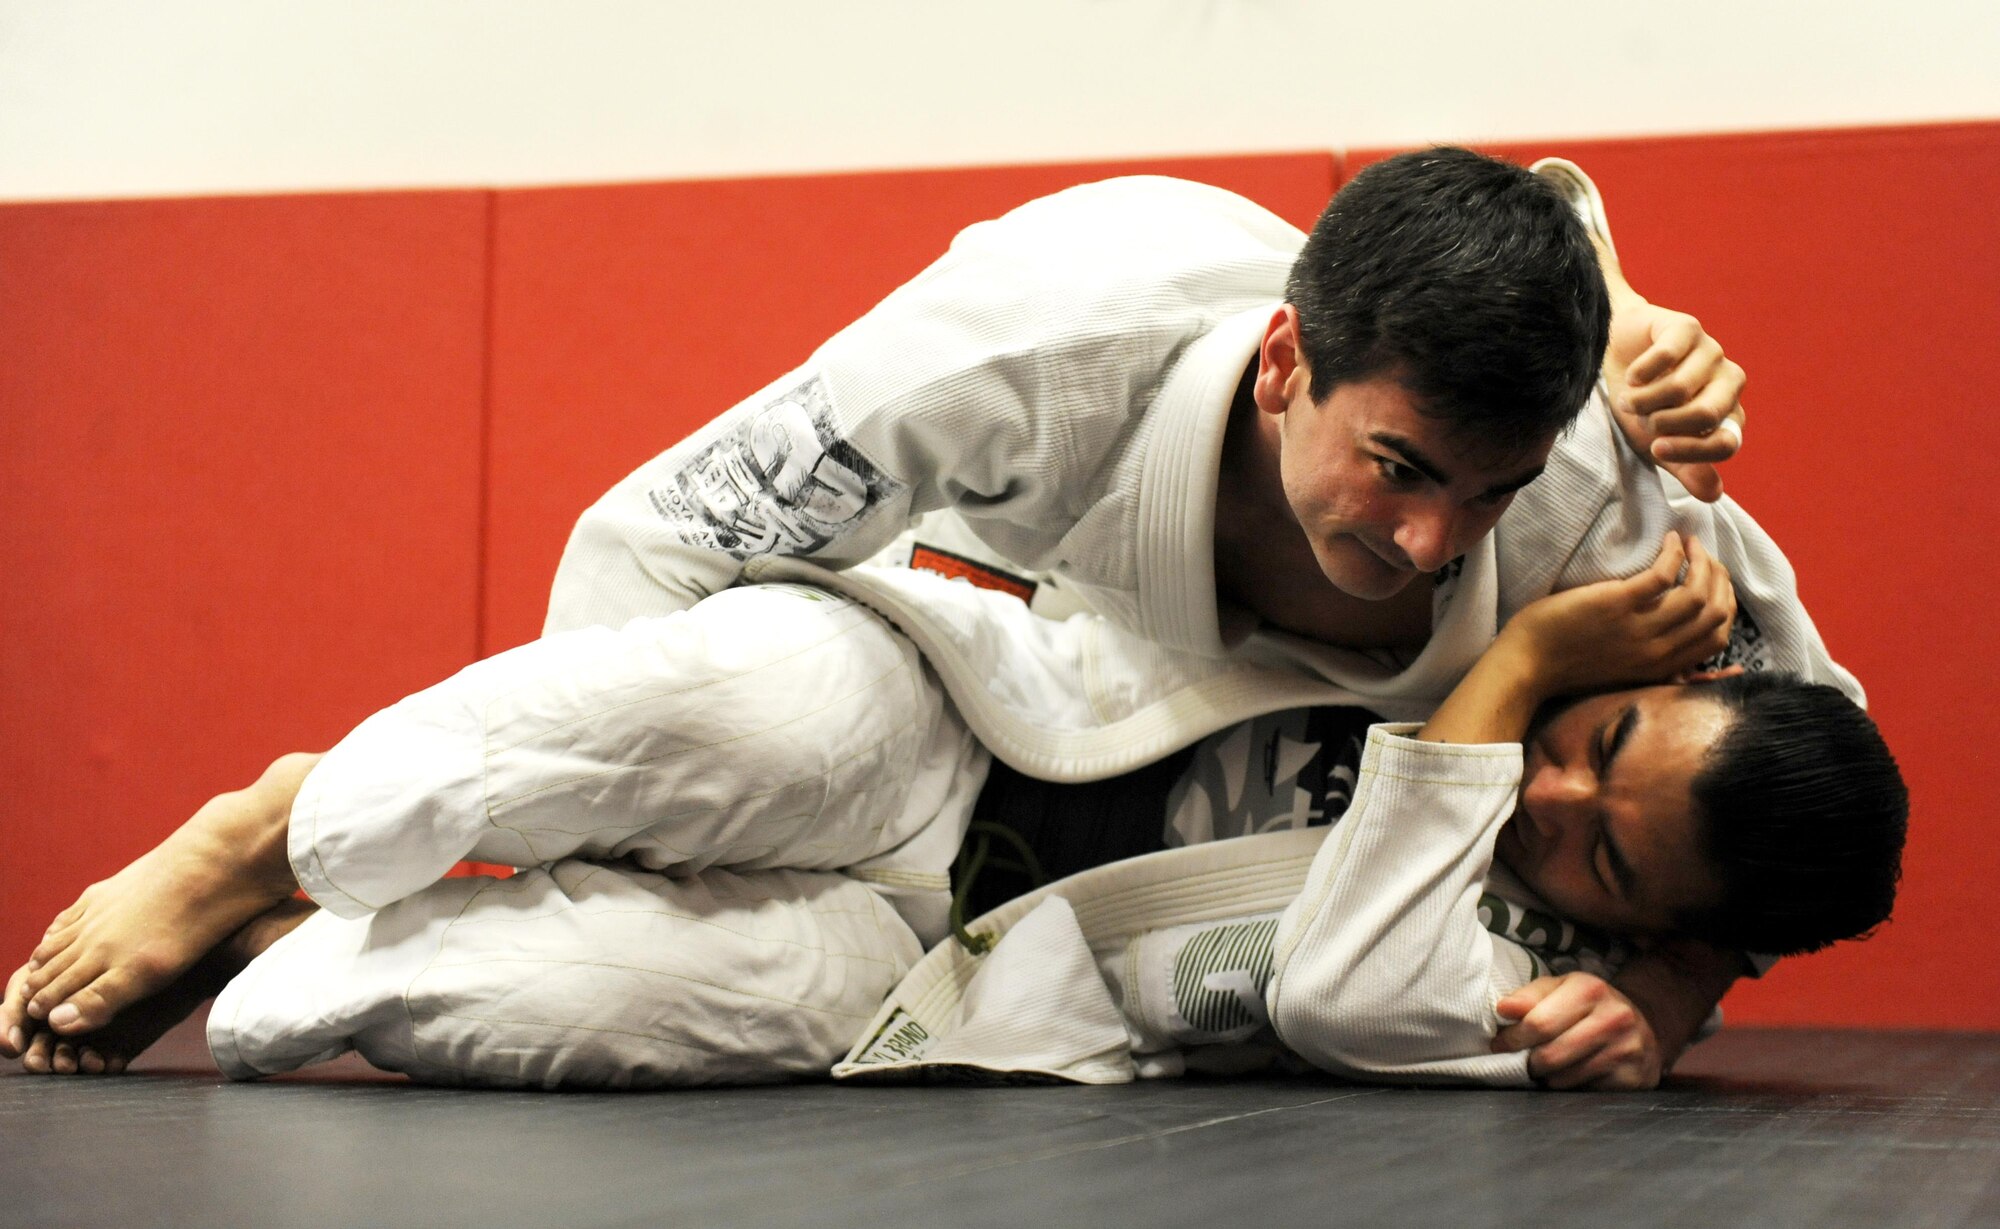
(1494, 703)
(1622, 294)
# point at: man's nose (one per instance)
(1426, 536)
(1557, 794)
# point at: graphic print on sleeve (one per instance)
(782, 482)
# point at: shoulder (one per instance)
(1141, 213)
(1085, 287)
(1597, 512)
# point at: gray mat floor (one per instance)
(1761, 1128)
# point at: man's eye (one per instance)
(1397, 472)
(1600, 862)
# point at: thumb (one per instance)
(1517, 1004)
(1664, 574)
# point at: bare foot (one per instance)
(107, 1051)
(130, 936)
(15, 1025)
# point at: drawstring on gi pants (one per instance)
(974, 856)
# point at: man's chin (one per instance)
(1371, 579)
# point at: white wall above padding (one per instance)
(134, 97)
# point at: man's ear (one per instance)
(1281, 362)
(1711, 676)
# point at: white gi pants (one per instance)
(735, 824)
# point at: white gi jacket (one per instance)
(1060, 381)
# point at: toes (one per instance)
(75, 976)
(42, 972)
(66, 917)
(13, 1028)
(83, 1011)
(91, 1061)
(38, 1055)
(52, 943)
(94, 1006)
(115, 1065)
(14, 1017)
(65, 1059)
(60, 931)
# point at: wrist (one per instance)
(1620, 290)
(1530, 668)
(1675, 985)
(1494, 702)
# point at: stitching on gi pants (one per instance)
(867, 617)
(491, 806)
(666, 973)
(528, 840)
(409, 1014)
(468, 923)
(599, 868)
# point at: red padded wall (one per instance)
(241, 468)
(626, 316)
(239, 485)
(1856, 276)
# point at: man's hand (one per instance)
(1646, 628)
(1672, 391)
(1586, 1033)
(1580, 1033)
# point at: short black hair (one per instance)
(1802, 813)
(1469, 278)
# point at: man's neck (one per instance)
(1264, 563)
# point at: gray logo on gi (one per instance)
(781, 482)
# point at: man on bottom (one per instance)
(734, 825)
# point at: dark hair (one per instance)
(1802, 813)
(1469, 278)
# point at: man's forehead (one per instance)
(1671, 731)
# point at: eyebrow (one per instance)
(1435, 472)
(1621, 866)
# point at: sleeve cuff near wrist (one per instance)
(1394, 751)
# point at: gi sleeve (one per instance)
(1382, 967)
(1598, 512)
